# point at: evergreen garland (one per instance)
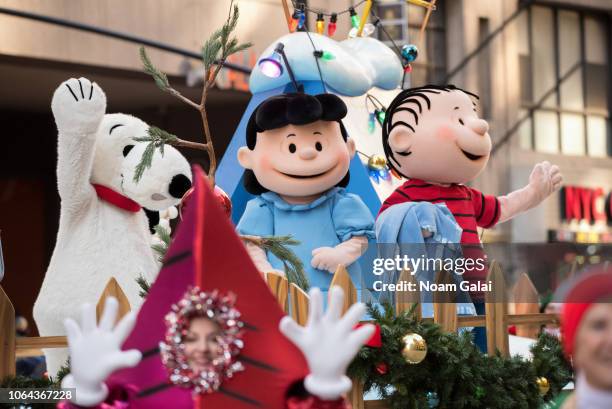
(454, 374)
(21, 382)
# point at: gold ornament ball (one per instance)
(543, 385)
(377, 162)
(415, 348)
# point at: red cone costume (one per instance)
(207, 252)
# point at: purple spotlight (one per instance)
(271, 66)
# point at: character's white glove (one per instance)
(260, 259)
(328, 342)
(545, 179)
(95, 351)
(164, 222)
(329, 258)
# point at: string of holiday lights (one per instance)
(379, 113)
(326, 13)
(407, 53)
(299, 16)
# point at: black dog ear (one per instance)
(334, 109)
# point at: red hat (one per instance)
(589, 289)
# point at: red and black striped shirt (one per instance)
(469, 206)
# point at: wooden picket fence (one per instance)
(12, 347)
(294, 301)
(496, 320)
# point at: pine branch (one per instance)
(163, 234)
(161, 79)
(158, 138)
(215, 51)
(144, 286)
(277, 245)
(161, 248)
(454, 369)
(145, 161)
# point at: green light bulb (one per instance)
(327, 56)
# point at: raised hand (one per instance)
(545, 179)
(95, 351)
(328, 342)
(78, 105)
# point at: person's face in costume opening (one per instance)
(593, 346)
(446, 143)
(201, 346)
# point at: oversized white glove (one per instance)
(328, 342)
(329, 258)
(545, 179)
(95, 351)
(164, 222)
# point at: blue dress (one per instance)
(329, 220)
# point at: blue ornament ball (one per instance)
(410, 52)
(433, 400)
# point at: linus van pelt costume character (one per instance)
(297, 161)
(433, 137)
(103, 231)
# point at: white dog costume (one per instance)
(103, 231)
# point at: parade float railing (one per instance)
(12, 347)
(294, 301)
(496, 320)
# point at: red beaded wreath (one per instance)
(218, 308)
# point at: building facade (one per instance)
(542, 70)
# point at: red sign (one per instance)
(585, 203)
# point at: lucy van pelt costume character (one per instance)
(433, 136)
(297, 159)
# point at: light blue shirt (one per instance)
(398, 231)
(329, 220)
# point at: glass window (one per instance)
(523, 34)
(574, 60)
(389, 11)
(597, 130)
(571, 91)
(595, 40)
(543, 54)
(524, 131)
(395, 31)
(525, 78)
(597, 87)
(546, 132)
(570, 46)
(572, 134)
(596, 45)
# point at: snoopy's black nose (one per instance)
(179, 185)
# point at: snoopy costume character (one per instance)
(103, 231)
